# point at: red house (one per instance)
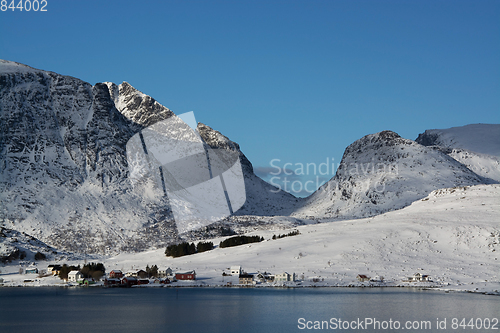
(115, 274)
(191, 275)
(129, 281)
(142, 281)
(112, 282)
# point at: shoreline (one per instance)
(442, 289)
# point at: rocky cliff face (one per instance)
(383, 172)
(63, 165)
(64, 169)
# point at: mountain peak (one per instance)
(388, 135)
(137, 106)
(382, 172)
(7, 66)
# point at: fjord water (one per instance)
(231, 309)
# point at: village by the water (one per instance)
(233, 276)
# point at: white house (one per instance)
(75, 276)
(377, 278)
(284, 277)
(132, 273)
(165, 272)
(417, 277)
(236, 270)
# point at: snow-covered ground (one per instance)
(453, 235)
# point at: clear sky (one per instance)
(296, 81)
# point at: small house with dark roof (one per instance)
(53, 269)
(363, 278)
(246, 279)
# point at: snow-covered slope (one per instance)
(383, 172)
(477, 146)
(487, 166)
(479, 138)
(452, 235)
(63, 167)
(16, 245)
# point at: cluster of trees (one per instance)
(185, 248)
(181, 249)
(92, 270)
(291, 233)
(152, 271)
(204, 246)
(240, 240)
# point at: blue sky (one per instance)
(294, 81)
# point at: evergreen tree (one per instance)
(40, 256)
(179, 250)
(240, 240)
(204, 246)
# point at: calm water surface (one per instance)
(231, 309)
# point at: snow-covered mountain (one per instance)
(383, 172)
(64, 172)
(63, 166)
(477, 146)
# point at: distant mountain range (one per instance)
(64, 174)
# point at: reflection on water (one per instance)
(227, 309)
